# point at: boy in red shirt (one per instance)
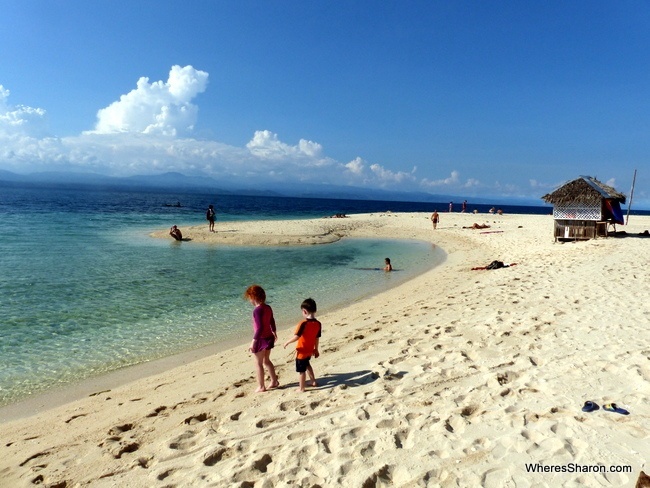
(307, 334)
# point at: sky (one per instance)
(470, 98)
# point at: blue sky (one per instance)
(505, 99)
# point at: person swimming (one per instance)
(388, 266)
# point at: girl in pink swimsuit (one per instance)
(264, 336)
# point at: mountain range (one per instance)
(184, 183)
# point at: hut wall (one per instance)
(578, 212)
(572, 229)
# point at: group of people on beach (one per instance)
(463, 207)
(210, 216)
(435, 216)
(306, 334)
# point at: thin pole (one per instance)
(629, 204)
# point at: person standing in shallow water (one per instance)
(210, 216)
(264, 336)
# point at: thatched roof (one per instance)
(583, 190)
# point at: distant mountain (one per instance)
(183, 183)
(171, 180)
(8, 176)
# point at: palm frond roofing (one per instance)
(584, 190)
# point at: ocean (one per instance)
(84, 290)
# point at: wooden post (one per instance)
(629, 203)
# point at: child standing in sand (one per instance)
(264, 336)
(307, 335)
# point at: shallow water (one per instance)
(86, 291)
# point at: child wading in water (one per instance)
(307, 334)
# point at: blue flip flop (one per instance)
(612, 407)
(590, 407)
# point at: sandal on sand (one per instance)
(611, 407)
(590, 407)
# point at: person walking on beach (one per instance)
(435, 218)
(451, 206)
(210, 215)
(464, 208)
(307, 336)
(264, 336)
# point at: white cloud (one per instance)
(266, 145)
(375, 174)
(20, 120)
(452, 180)
(540, 185)
(162, 108)
(144, 132)
(386, 176)
(356, 166)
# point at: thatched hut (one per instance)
(584, 208)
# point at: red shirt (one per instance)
(308, 331)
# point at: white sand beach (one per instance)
(457, 378)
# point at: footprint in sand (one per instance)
(75, 417)
(290, 405)
(469, 411)
(262, 424)
(35, 456)
(366, 449)
(195, 419)
(165, 474)
(262, 463)
(120, 429)
(381, 477)
(217, 456)
(184, 441)
(117, 447)
(157, 411)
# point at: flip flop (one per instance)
(611, 407)
(590, 407)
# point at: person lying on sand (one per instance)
(477, 226)
(495, 265)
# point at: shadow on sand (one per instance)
(622, 233)
(352, 379)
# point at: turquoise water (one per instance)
(85, 291)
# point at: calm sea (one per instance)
(84, 290)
